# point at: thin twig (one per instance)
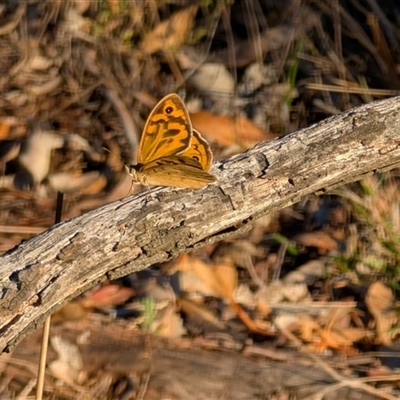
(47, 322)
(342, 381)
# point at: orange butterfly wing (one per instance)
(171, 153)
(200, 151)
(168, 130)
(177, 171)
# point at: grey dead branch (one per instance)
(41, 274)
(183, 369)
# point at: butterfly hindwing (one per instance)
(177, 171)
(199, 150)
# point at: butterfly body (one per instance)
(171, 152)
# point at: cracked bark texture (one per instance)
(42, 273)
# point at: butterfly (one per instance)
(171, 152)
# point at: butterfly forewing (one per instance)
(168, 130)
(200, 151)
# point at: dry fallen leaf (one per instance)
(35, 154)
(168, 323)
(191, 308)
(226, 276)
(336, 338)
(380, 303)
(338, 331)
(217, 83)
(170, 34)
(209, 280)
(229, 131)
(219, 280)
(108, 295)
(4, 130)
(69, 364)
(307, 273)
(319, 239)
(307, 327)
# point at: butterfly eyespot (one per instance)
(196, 158)
(169, 110)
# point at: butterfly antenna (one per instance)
(116, 155)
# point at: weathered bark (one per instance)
(44, 272)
